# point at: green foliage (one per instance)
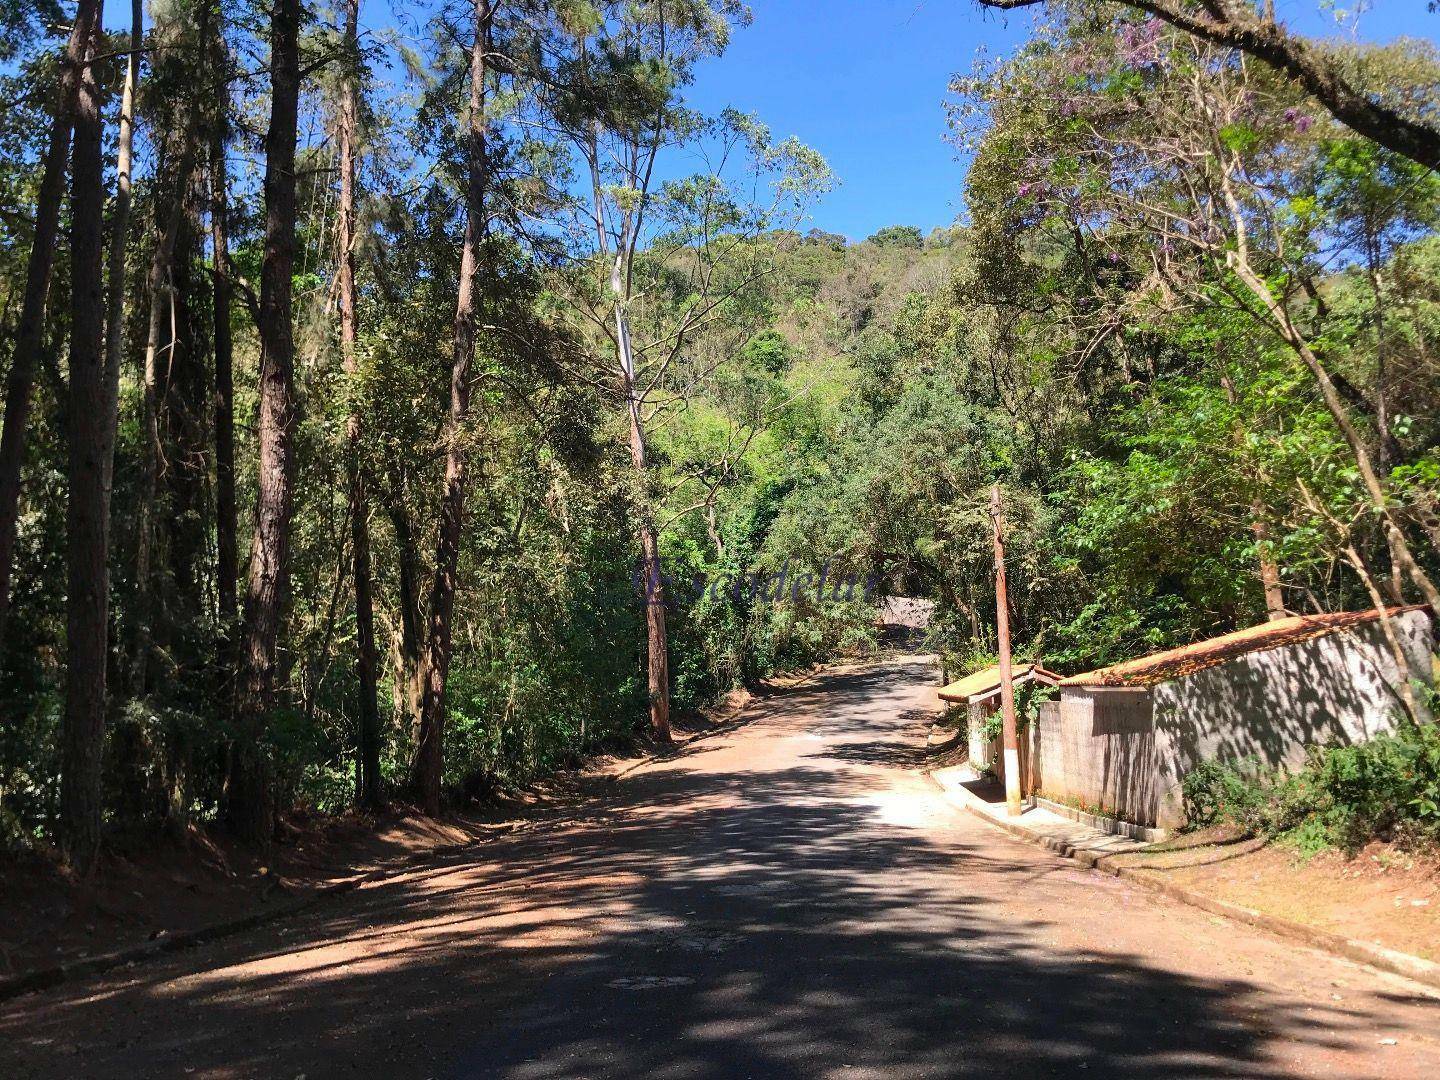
(768, 351)
(812, 407)
(901, 236)
(1344, 796)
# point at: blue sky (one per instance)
(864, 82)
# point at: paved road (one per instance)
(787, 900)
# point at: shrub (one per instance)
(1218, 793)
(1343, 797)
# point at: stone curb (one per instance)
(47, 978)
(1113, 826)
(1363, 952)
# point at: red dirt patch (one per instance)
(1381, 895)
(155, 886)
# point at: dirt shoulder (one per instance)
(1381, 895)
(156, 885)
(148, 887)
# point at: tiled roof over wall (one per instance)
(1188, 659)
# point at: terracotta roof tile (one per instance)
(987, 680)
(1188, 659)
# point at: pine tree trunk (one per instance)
(429, 755)
(367, 772)
(161, 289)
(30, 331)
(250, 797)
(410, 651)
(88, 505)
(120, 228)
(227, 561)
(184, 495)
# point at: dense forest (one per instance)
(391, 423)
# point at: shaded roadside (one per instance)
(1382, 894)
(786, 900)
(158, 890)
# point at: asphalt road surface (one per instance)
(789, 899)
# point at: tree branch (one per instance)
(1319, 74)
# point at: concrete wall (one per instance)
(1342, 688)
(1126, 752)
(1101, 748)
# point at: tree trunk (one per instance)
(367, 772)
(120, 229)
(162, 321)
(1259, 527)
(227, 560)
(30, 330)
(249, 802)
(1386, 449)
(183, 526)
(652, 588)
(429, 755)
(88, 506)
(1239, 261)
(1269, 571)
(1374, 488)
(410, 651)
(657, 649)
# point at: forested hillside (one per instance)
(462, 425)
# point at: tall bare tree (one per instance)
(227, 560)
(429, 754)
(120, 218)
(250, 797)
(30, 330)
(367, 773)
(621, 118)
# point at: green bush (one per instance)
(1343, 797)
(1219, 793)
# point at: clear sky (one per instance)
(864, 82)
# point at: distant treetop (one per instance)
(902, 236)
(820, 236)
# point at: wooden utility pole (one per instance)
(1007, 687)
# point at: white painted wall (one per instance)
(1128, 752)
(1341, 688)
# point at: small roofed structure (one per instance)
(980, 686)
(979, 692)
(1123, 737)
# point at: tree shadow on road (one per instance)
(767, 922)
